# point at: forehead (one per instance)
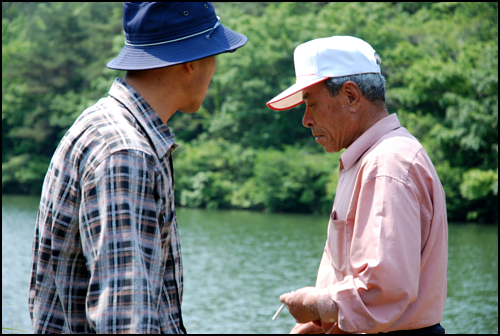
(314, 91)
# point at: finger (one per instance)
(300, 328)
(284, 297)
(307, 328)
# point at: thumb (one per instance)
(284, 297)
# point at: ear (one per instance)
(188, 67)
(352, 95)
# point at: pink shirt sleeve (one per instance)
(379, 253)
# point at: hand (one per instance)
(302, 304)
(313, 327)
(317, 327)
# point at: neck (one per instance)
(152, 85)
(370, 118)
(378, 113)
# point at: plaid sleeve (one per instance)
(122, 245)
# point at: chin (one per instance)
(190, 110)
(331, 150)
(195, 108)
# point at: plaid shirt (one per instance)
(106, 254)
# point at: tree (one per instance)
(52, 69)
(440, 61)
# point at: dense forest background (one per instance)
(440, 61)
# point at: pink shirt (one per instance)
(385, 258)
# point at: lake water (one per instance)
(237, 263)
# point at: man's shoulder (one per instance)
(102, 130)
(400, 142)
(393, 154)
(111, 127)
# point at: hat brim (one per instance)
(191, 49)
(292, 96)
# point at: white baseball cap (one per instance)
(322, 58)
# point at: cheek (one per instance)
(330, 123)
(205, 82)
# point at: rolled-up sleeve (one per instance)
(121, 244)
(381, 247)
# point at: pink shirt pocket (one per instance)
(339, 242)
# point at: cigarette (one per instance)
(280, 309)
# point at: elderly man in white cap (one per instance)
(106, 253)
(384, 264)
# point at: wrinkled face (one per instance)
(328, 117)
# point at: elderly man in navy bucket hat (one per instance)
(106, 253)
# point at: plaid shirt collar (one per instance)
(160, 135)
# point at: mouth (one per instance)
(318, 137)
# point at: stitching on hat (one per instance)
(164, 42)
(179, 39)
(217, 24)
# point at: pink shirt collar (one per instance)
(367, 139)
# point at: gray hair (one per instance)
(371, 85)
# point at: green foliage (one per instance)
(295, 180)
(479, 183)
(52, 62)
(207, 172)
(440, 61)
(219, 174)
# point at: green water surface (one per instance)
(237, 263)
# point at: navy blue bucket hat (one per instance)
(161, 34)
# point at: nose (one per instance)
(308, 120)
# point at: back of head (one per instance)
(162, 34)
